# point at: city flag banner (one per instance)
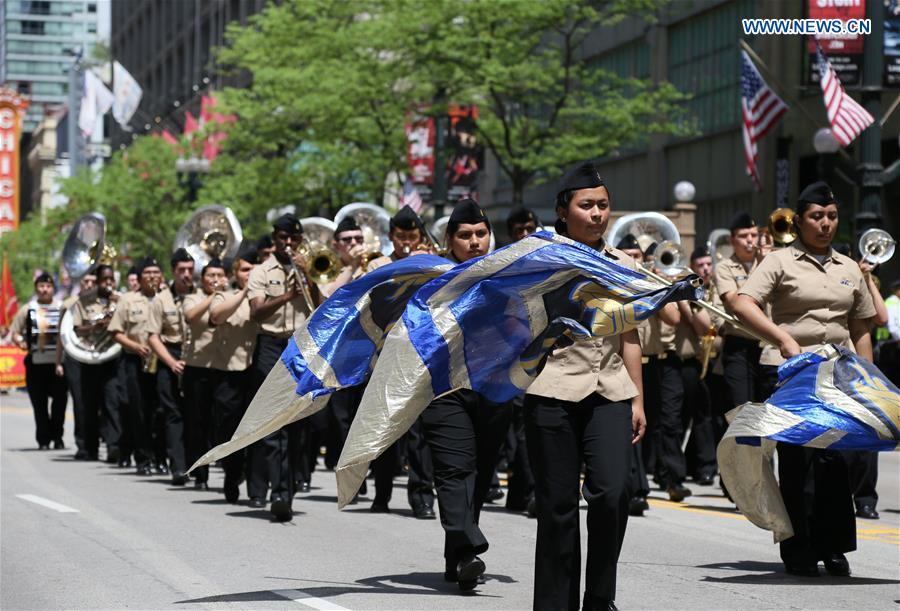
(829, 399)
(336, 348)
(489, 325)
(127, 95)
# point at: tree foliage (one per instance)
(137, 191)
(340, 79)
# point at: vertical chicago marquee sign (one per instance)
(12, 111)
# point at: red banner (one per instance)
(12, 367)
(844, 51)
(12, 111)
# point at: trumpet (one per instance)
(781, 226)
(300, 278)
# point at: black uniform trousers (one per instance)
(199, 395)
(169, 426)
(72, 369)
(519, 476)
(100, 404)
(562, 435)
(465, 432)
(863, 469)
(230, 401)
(420, 481)
(140, 408)
(700, 454)
(271, 461)
(649, 445)
(46, 389)
(740, 361)
(815, 486)
(665, 421)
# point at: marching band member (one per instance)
(817, 297)
(264, 248)
(585, 407)
(407, 234)
(199, 355)
(278, 305)
(91, 315)
(464, 431)
(521, 223)
(695, 325)
(35, 329)
(235, 339)
(130, 326)
(71, 369)
(167, 332)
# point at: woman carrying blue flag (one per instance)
(817, 297)
(586, 406)
(464, 431)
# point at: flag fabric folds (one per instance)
(127, 95)
(848, 119)
(488, 325)
(761, 110)
(336, 348)
(829, 399)
(95, 101)
(9, 305)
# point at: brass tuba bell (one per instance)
(781, 226)
(211, 232)
(876, 246)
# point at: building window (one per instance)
(35, 7)
(92, 7)
(92, 28)
(703, 61)
(33, 27)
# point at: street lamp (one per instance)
(684, 192)
(189, 170)
(825, 143)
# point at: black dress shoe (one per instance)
(59, 445)
(637, 506)
(144, 470)
(837, 565)
(81, 455)
(532, 508)
(379, 508)
(124, 463)
(198, 485)
(43, 446)
(232, 491)
(705, 480)
(598, 604)
(256, 503)
(867, 511)
(112, 456)
(494, 494)
(161, 469)
(468, 570)
(281, 510)
(802, 569)
(424, 512)
(179, 478)
(678, 492)
(303, 487)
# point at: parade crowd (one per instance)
(604, 421)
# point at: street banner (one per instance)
(127, 95)
(12, 111)
(844, 51)
(465, 156)
(892, 43)
(12, 367)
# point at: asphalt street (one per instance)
(86, 535)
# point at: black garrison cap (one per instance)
(741, 220)
(406, 219)
(144, 263)
(468, 211)
(348, 223)
(628, 242)
(44, 277)
(521, 214)
(699, 252)
(264, 242)
(289, 223)
(817, 193)
(585, 175)
(180, 256)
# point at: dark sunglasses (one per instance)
(352, 238)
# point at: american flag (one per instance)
(848, 119)
(411, 196)
(761, 109)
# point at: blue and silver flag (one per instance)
(829, 399)
(489, 325)
(336, 348)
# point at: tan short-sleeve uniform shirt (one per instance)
(166, 318)
(132, 316)
(235, 339)
(199, 342)
(591, 366)
(811, 300)
(729, 277)
(268, 280)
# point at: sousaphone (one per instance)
(375, 223)
(212, 232)
(86, 247)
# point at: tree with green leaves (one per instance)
(139, 193)
(340, 79)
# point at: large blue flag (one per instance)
(336, 348)
(829, 399)
(489, 325)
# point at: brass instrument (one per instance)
(375, 223)
(86, 247)
(322, 264)
(669, 258)
(301, 279)
(719, 244)
(646, 227)
(876, 246)
(211, 232)
(706, 346)
(151, 363)
(781, 226)
(371, 255)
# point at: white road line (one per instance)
(39, 500)
(309, 600)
